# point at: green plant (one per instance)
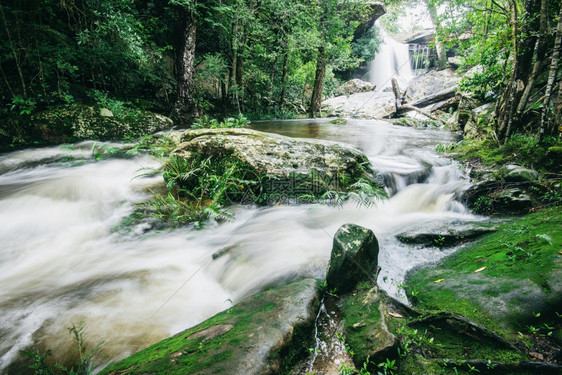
(231, 122)
(482, 205)
(388, 367)
(439, 241)
(84, 365)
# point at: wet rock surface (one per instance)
(263, 334)
(354, 258)
(444, 237)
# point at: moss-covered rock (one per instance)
(264, 334)
(354, 258)
(509, 281)
(74, 122)
(278, 166)
(366, 325)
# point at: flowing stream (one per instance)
(62, 261)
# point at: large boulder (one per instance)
(264, 334)
(279, 165)
(431, 83)
(508, 281)
(354, 86)
(354, 258)
(74, 122)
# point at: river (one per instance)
(61, 261)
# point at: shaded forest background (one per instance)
(268, 58)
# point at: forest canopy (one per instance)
(266, 58)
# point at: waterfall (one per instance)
(420, 58)
(392, 61)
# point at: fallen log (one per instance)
(435, 98)
(400, 98)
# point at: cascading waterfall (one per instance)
(391, 61)
(62, 260)
(420, 57)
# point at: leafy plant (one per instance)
(84, 365)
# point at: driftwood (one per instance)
(400, 98)
(435, 98)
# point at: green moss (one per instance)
(361, 318)
(338, 121)
(220, 343)
(522, 265)
(524, 150)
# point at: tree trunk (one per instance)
(14, 53)
(558, 109)
(551, 78)
(284, 80)
(316, 100)
(439, 45)
(506, 116)
(185, 108)
(541, 51)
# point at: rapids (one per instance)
(62, 261)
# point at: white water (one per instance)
(61, 263)
(391, 61)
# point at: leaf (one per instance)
(480, 269)
(545, 237)
(439, 280)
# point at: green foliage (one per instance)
(231, 122)
(84, 365)
(522, 149)
(366, 46)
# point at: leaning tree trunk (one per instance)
(316, 100)
(551, 77)
(506, 116)
(185, 108)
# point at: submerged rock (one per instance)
(264, 334)
(354, 258)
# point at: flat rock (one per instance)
(354, 86)
(263, 334)
(444, 237)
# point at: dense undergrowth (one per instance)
(523, 149)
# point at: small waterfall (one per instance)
(420, 57)
(392, 61)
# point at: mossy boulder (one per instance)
(516, 173)
(279, 166)
(508, 281)
(73, 122)
(264, 334)
(367, 326)
(354, 258)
